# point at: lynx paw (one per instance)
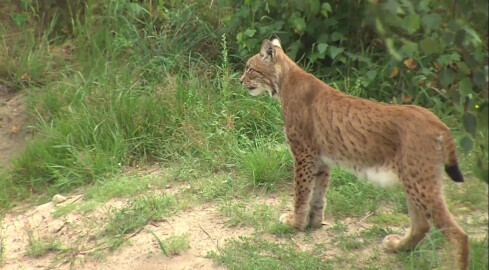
(316, 222)
(391, 242)
(291, 220)
(287, 219)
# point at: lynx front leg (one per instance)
(303, 186)
(318, 200)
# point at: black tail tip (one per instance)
(454, 172)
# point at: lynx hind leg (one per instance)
(458, 239)
(318, 199)
(419, 227)
(425, 199)
(303, 187)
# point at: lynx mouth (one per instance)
(252, 88)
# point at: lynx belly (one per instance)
(378, 175)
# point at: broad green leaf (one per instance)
(411, 23)
(469, 121)
(392, 6)
(250, 32)
(239, 37)
(371, 74)
(483, 116)
(454, 26)
(327, 7)
(480, 79)
(337, 36)
(430, 46)
(463, 68)
(299, 25)
(465, 86)
(409, 48)
(446, 77)
(424, 5)
(454, 94)
(314, 6)
(446, 59)
(322, 48)
(431, 20)
(447, 37)
(334, 51)
(466, 144)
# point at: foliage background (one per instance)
(122, 83)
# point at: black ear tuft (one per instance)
(274, 36)
(275, 40)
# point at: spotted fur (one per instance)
(387, 144)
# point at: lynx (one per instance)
(387, 144)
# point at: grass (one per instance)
(358, 240)
(173, 245)
(478, 253)
(267, 164)
(135, 214)
(349, 196)
(390, 219)
(117, 187)
(39, 246)
(176, 244)
(255, 253)
(219, 187)
(124, 186)
(258, 215)
(64, 209)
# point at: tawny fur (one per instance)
(384, 143)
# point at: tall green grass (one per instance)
(130, 83)
(132, 88)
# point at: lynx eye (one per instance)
(250, 70)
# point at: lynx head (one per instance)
(263, 70)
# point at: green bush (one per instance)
(440, 53)
(431, 53)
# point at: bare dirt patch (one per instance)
(206, 228)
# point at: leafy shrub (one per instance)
(440, 51)
(313, 29)
(437, 53)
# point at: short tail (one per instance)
(451, 163)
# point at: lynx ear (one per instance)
(267, 51)
(275, 40)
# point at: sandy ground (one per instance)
(205, 227)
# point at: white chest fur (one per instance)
(378, 175)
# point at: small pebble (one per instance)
(58, 199)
